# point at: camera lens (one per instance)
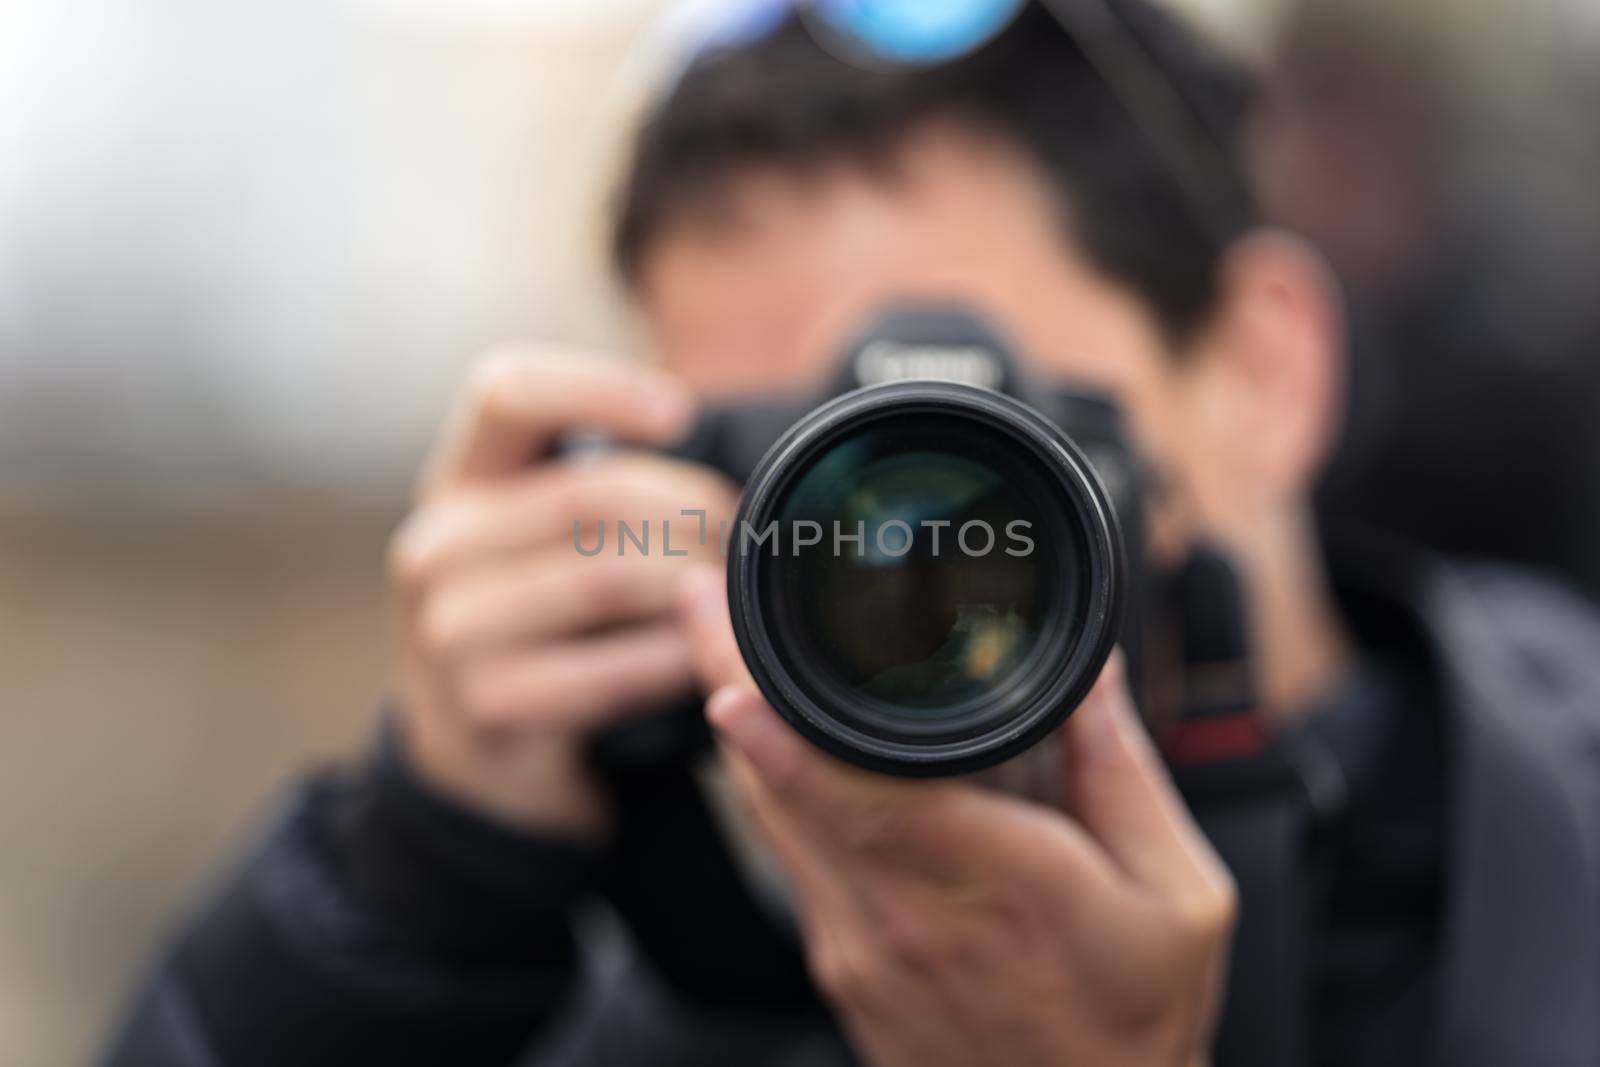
(923, 577)
(924, 590)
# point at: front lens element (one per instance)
(936, 566)
(924, 577)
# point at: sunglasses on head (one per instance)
(917, 34)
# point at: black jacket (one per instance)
(1392, 912)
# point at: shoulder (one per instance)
(1544, 623)
(1524, 636)
(1520, 659)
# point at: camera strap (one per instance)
(1249, 792)
(1259, 813)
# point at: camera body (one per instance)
(935, 343)
(909, 365)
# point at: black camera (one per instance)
(931, 560)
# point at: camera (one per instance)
(934, 554)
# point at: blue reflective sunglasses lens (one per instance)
(917, 31)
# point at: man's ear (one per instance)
(1270, 364)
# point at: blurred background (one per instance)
(247, 250)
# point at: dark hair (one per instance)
(785, 102)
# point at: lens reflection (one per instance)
(923, 563)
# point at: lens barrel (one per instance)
(925, 577)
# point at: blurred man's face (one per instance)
(1237, 426)
(765, 297)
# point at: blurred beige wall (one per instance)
(245, 253)
(248, 247)
(161, 681)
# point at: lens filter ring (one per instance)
(1075, 621)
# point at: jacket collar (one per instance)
(1517, 665)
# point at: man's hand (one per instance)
(954, 926)
(515, 647)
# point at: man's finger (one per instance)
(949, 833)
(547, 596)
(519, 402)
(818, 882)
(943, 829)
(792, 787)
(581, 684)
(1121, 793)
(717, 660)
(537, 510)
(858, 820)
